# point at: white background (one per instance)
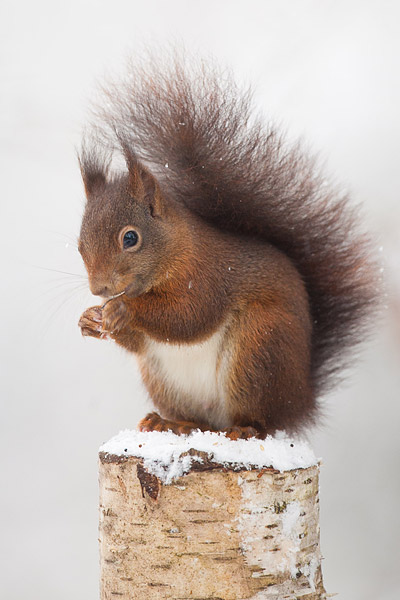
(328, 71)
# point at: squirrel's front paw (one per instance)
(115, 316)
(91, 322)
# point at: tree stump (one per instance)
(217, 532)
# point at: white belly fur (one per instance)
(195, 373)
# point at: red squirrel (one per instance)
(226, 264)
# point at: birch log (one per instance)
(213, 534)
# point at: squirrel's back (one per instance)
(196, 131)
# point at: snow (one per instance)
(290, 528)
(162, 451)
(310, 571)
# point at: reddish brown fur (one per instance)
(239, 231)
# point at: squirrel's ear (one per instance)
(143, 185)
(94, 170)
(93, 181)
(152, 194)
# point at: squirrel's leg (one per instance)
(111, 321)
(269, 380)
(119, 324)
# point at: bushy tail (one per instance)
(197, 132)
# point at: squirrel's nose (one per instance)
(100, 290)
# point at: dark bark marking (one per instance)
(148, 482)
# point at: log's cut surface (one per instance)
(214, 533)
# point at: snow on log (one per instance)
(201, 517)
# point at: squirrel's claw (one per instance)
(91, 322)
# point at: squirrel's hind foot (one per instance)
(240, 433)
(153, 422)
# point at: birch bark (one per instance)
(213, 534)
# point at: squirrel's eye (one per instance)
(130, 239)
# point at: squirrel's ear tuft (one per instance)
(143, 184)
(94, 169)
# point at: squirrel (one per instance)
(227, 264)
